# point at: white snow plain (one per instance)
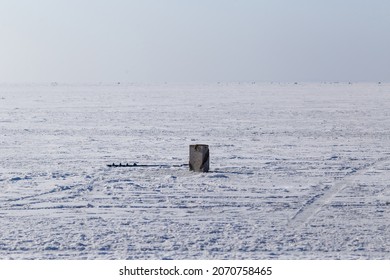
(298, 171)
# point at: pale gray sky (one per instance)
(194, 40)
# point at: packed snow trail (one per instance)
(314, 205)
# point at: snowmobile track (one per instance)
(314, 205)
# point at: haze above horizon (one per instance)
(194, 41)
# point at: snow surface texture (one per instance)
(297, 171)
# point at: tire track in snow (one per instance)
(314, 205)
(66, 192)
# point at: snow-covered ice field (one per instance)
(298, 171)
